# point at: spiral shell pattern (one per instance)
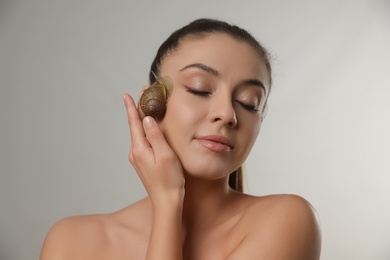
(154, 99)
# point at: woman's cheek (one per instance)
(183, 106)
(171, 123)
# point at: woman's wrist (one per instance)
(168, 199)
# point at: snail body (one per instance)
(154, 99)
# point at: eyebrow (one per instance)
(254, 82)
(214, 72)
(203, 67)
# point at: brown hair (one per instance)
(200, 28)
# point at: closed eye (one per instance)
(250, 108)
(198, 93)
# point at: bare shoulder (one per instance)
(287, 207)
(102, 236)
(67, 237)
(280, 227)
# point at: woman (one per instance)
(222, 78)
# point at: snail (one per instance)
(154, 99)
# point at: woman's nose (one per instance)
(222, 111)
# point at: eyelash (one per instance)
(198, 93)
(249, 108)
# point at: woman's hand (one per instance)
(154, 160)
(162, 175)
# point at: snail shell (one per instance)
(154, 99)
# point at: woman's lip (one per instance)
(215, 143)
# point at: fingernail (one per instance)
(148, 122)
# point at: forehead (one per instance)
(232, 57)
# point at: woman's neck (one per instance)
(204, 200)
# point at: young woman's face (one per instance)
(214, 113)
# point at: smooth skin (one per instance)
(220, 89)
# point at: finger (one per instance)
(137, 133)
(155, 137)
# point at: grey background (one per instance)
(64, 135)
